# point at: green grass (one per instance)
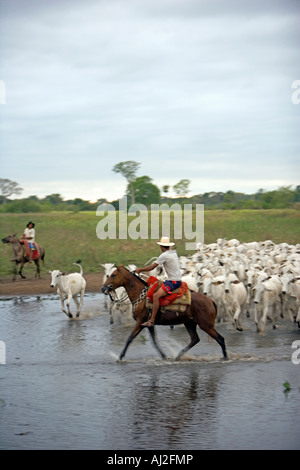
(70, 236)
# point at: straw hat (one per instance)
(165, 241)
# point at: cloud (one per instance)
(193, 89)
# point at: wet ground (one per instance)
(63, 387)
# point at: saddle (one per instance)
(35, 252)
(177, 301)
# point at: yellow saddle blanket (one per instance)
(179, 305)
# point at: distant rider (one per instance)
(29, 236)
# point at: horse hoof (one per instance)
(70, 315)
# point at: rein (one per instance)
(116, 299)
(141, 297)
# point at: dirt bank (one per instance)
(33, 286)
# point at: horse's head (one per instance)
(115, 280)
(9, 239)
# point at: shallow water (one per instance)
(63, 387)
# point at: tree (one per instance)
(297, 194)
(166, 188)
(128, 169)
(145, 191)
(8, 188)
(54, 199)
(182, 187)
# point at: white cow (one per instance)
(291, 290)
(68, 287)
(231, 294)
(235, 298)
(267, 300)
(296, 290)
(289, 299)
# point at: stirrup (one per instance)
(148, 323)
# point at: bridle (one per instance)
(135, 303)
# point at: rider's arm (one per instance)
(146, 268)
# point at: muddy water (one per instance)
(62, 386)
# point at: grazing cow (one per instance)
(68, 287)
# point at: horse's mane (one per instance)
(136, 276)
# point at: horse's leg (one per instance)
(220, 340)
(20, 270)
(153, 336)
(191, 328)
(15, 270)
(38, 271)
(136, 330)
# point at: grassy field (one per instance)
(68, 236)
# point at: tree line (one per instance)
(142, 190)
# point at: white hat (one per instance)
(165, 241)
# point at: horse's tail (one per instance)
(77, 264)
(41, 252)
(216, 308)
(43, 257)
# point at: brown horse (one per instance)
(202, 311)
(20, 256)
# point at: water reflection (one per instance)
(63, 386)
(168, 407)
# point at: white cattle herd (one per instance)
(256, 279)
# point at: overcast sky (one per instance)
(196, 89)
